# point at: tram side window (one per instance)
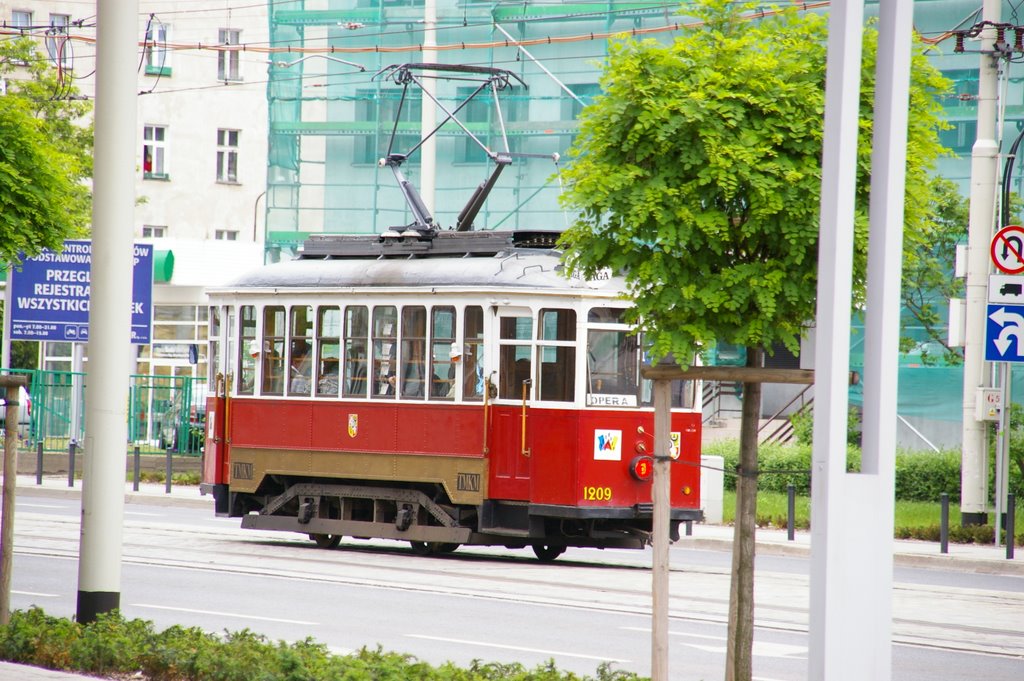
(414, 345)
(442, 351)
(385, 329)
(273, 350)
(300, 350)
(229, 353)
(557, 355)
(516, 366)
(357, 332)
(473, 359)
(328, 347)
(613, 359)
(248, 349)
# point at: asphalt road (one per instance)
(183, 566)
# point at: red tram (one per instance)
(443, 390)
(438, 387)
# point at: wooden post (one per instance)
(11, 383)
(660, 495)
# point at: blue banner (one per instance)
(50, 295)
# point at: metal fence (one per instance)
(163, 412)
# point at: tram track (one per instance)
(698, 593)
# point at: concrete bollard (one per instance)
(712, 488)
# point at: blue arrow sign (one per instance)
(1004, 333)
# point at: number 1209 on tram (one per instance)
(445, 389)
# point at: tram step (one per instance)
(506, 531)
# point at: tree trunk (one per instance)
(739, 647)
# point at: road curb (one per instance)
(960, 563)
(153, 498)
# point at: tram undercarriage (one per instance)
(329, 510)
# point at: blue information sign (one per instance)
(51, 292)
(1004, 333)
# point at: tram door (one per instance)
(221, 352)
(511, 432)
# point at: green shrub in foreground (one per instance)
(114, 646)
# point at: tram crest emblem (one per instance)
(353, 425)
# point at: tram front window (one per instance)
(611, 368)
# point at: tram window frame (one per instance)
(556, 354)
(385, 351)
(623, 379)
(356, 330)
(473, 367)
(413, 357)
(248, 350)
(328, 351)
(443, 333)
(515, 353)
(274, 334)
(300, 350)
(216, 339)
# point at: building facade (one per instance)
(201, 140)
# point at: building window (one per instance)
(380, 107)
(227, 156)
(154, 231)
(965, 88)
(226, 234)
(158, 57)
(961, 137)
(154, 152)
(481, 117)
(227, 60)
(57, 44)
(571, 109)
(21, 19)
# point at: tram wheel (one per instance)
(326, 541)
(547, 552)
(422, 548)
(425, 548)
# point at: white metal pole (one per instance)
(660, 528)
(106, 418)
(984, 173)
(428, 115)
(832, 340)
(869, 617)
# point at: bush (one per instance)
(925, 476)
(113, 645)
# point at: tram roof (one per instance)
(450, 259)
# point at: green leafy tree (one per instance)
(45, 155)
(697, 176)
(928, 281)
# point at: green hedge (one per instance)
(114, 647)
(920, 476)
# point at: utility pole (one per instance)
(106, 417)
(984, 173)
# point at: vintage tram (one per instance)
(444, 389)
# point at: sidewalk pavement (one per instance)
(987, 559)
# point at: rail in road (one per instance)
(961, 618)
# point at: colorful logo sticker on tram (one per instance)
(674, 440)
(353, 425)
(608, 445)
